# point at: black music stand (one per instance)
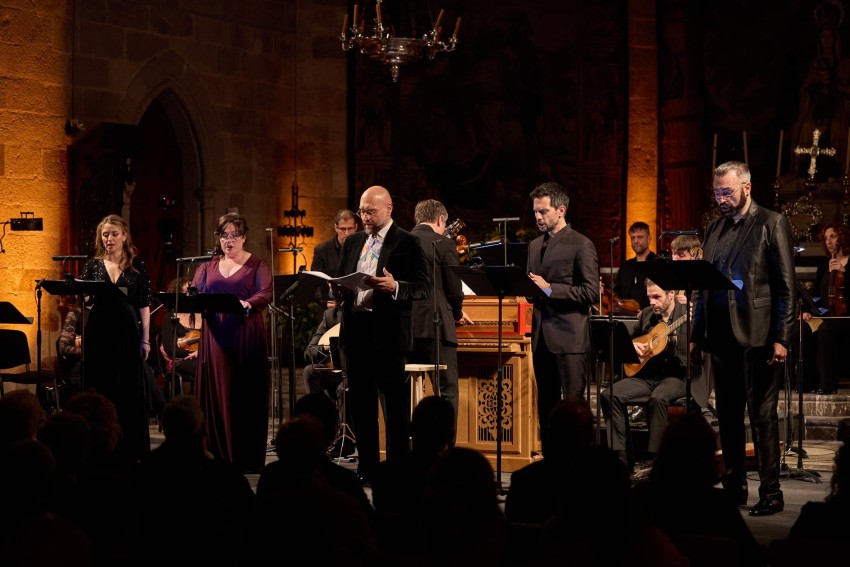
(498, 281)
(203, 303)
(619, 350)
(9, 315)
(295, 289)
(687, 275)
(804, 300)
(80, 288)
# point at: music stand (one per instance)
(81, 288)
(619, 349)
(687, 275)
(298, 290)
(9, 315)
(804, 299)
(498, 281)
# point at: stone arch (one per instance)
(170, 80)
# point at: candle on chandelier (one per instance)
(344, 24)
(354, 19)
(847, 158)
(378, 13)
(457, 27)
(779, 154)
(439, 18)
(714, 153)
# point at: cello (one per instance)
(609, 300)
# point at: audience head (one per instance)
(101, 416)
(68, 435)
(321, 407)
(688, 454)
(432, 426)
(840, 481)
(20, 413)
(300, 443)
(569, 429)
(183, 421)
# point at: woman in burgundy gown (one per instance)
(232, 383)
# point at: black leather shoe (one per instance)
(767, 506)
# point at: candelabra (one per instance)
(381, 43)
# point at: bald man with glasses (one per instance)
(376, 333)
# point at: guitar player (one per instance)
(661, 344)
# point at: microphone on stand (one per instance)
(614, 240)
(194, 259)
(64, 258)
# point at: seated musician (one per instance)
(187, 326)
(319, 375)
(685, 247)
(69, 349)
(831, 337)
(661, 374)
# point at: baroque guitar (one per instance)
(657, 340)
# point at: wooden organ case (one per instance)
(478, 359)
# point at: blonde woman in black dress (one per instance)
(118, 332)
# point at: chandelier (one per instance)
(382, 44)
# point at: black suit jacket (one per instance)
(762, 259)
(391, 329)
(570, 265)
(447, 287)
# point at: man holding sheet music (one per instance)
(376, 331)
(564, 264)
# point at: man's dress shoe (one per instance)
(767, 506)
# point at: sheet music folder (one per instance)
(9, 314)
(600, 336)
(201, 302)
(106, 290)
(686, 274)
(499, 281)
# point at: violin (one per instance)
(621, 307)
(190, 340)
(835, 295)
(461, 243)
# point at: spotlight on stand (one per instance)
(27, 221)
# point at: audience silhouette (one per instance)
(536, 488)
(681, 498)
(199, 503)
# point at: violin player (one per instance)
(188, 328)
(832, 335)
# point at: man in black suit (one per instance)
(446, 296)
(376, 333)
(326, 254)
(747, 330)
(563, 263)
